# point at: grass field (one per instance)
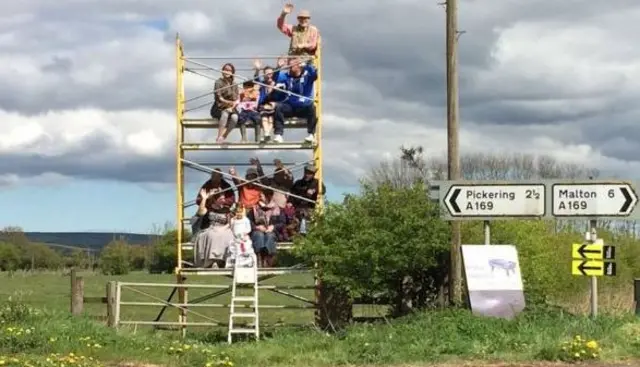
(51, 291)
(439, 336)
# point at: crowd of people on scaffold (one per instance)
(275, 207)
(274, 94)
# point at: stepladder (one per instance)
(244, 296)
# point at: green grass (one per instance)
(429, 337)
(51, 291)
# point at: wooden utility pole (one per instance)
(453, 152)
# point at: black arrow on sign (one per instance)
(627, 200)
(583, 268)
(583, 251)
(452, 200)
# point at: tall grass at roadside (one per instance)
(28, 334)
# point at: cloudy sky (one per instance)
(87, 97)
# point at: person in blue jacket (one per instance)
(299, 82)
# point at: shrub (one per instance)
(16, 339)
(116, 258)
(13, 310)
(164, 254)
(387, 243)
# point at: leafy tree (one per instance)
(116, 258)
(387, 243)
(405, 171)
(40, 256)
(139, 256)
(163, 253)
(9, 257)
(14, 235)
(79, 259)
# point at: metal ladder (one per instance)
(244, 276)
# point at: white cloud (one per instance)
(58, 133)
(94, 82)
(197, 25)
(8, 181)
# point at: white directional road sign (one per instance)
(496, 200)
(597, 199)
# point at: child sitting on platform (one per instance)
(248, 108)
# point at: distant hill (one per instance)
(94, 240)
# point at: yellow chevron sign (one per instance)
(593, 251)
(590, 251)
(593, 268)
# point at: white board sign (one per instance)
(497, 200)
(494, 280)
(598, 200)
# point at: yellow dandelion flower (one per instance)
(592, 344)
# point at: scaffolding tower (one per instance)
(193, 65)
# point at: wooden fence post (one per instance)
(112, 317)
(77, 293)
(636, 295)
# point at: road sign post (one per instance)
(487, 232)
(593, 259)
(594, 280)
